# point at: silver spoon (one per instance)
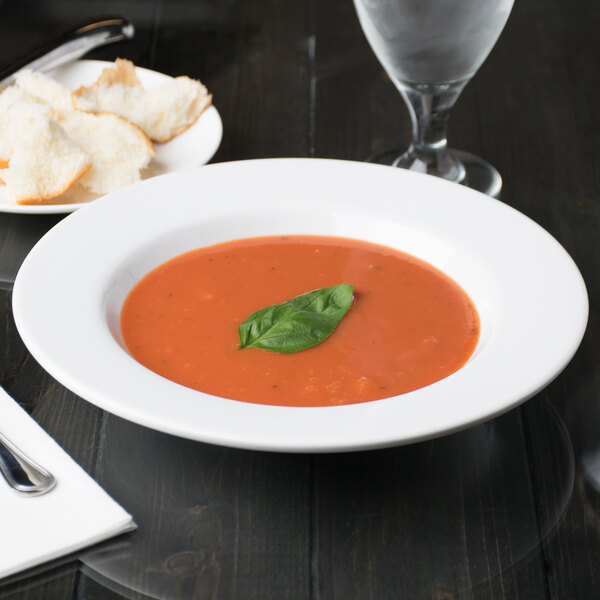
(69, 46)
(21, 472)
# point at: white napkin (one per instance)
(76, 513)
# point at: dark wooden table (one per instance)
(507, 509)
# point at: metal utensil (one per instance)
(21, 472)
(70, 45)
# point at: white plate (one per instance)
(530, 295)
(192, 148)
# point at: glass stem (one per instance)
(429, 107)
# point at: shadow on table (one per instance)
(437, 517)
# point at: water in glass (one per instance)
(431, 49)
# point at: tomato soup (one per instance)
(409, 325)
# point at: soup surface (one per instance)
(409, 325)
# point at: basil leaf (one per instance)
(299, 323)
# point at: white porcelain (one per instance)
(192, 148)
(530, 295)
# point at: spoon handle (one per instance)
(70, 45)
(21, 472)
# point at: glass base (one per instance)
(478, 173)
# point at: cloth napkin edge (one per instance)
(126, 526)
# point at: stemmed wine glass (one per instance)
(431, 49)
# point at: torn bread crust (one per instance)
(56, 193)
(43, 161)
(138, 130)
(163, 112)
(203, 103)
(117, 148)
(123, 72)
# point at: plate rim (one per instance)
(279, 442)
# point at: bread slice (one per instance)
(6, 144)
(162, 113)
(43, 163)
(13, 94)
(8, 96)
(44, 88)
(117, 149)
(3, 165)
